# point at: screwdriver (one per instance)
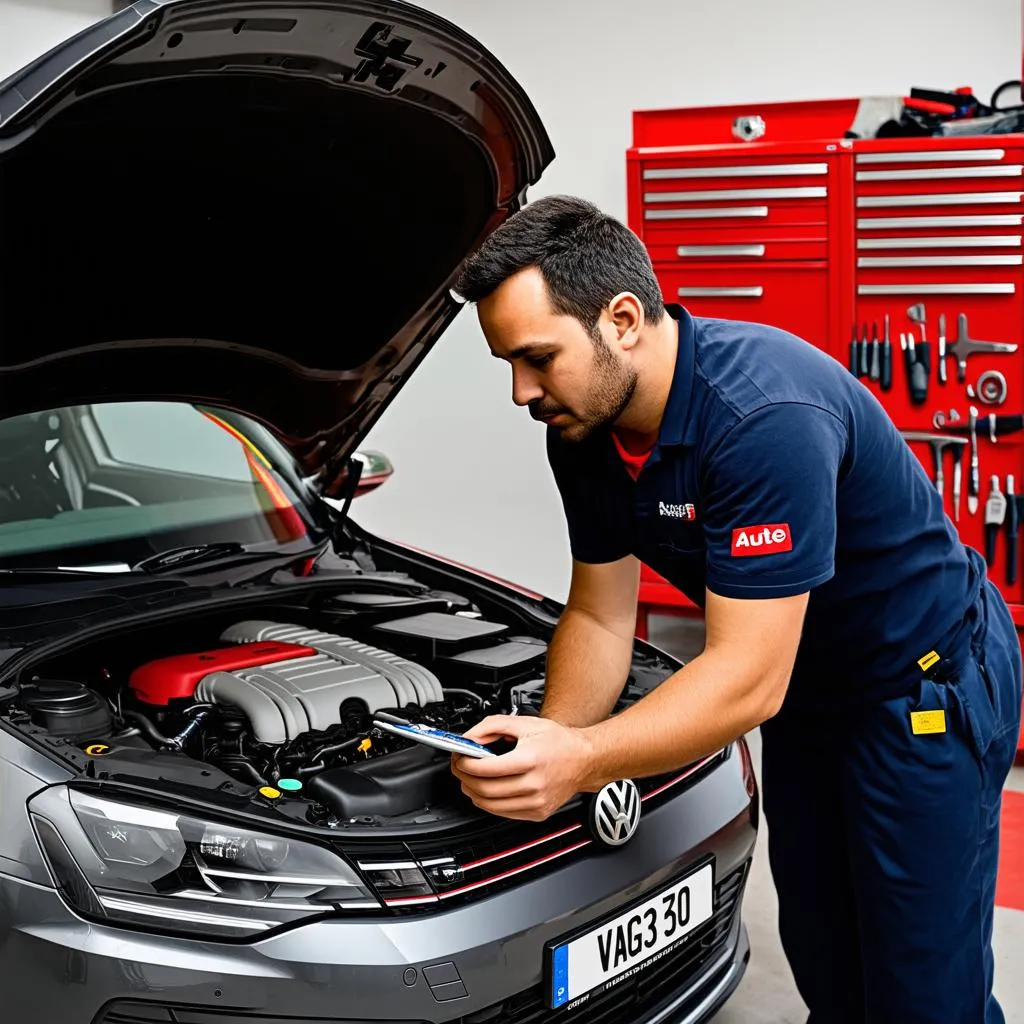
(886, 358)
(1012, 525)
(854, 359)
(875, 369)
(995, 516)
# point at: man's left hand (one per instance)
(550, 764)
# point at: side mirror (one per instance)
(377, 468)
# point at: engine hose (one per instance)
(152, 733)
(230, 762)
(199, 714)
(317, 758)
(466, 693)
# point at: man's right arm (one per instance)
(590, 652)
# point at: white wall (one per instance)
(29, 28)
(471, 481)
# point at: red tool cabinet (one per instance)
(822, 234)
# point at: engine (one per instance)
(289, 681)
(283, 707)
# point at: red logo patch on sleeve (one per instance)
(767, 539)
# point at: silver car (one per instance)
(229, 233)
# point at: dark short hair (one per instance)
(585, 257)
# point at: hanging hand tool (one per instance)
(876, 368)
(918, 316)
(854, 356)
(965, 346)
(958, 454)
(917, 378)
(1012, 525)
(942, 348)
(999, 425)
(865, 355)
(991, 388)
(995, 516)
(886, 358)
(938, 444)
(974, 483)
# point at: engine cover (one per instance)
(284, 697)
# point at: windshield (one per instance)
(107, 485)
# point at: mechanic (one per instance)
(843, 614)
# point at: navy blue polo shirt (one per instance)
(776, 472)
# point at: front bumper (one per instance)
(473, 964)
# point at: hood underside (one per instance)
(258, 206)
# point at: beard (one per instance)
(610, 389)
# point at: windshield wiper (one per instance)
(171, 560)
(229, 552)
(64, 572)
(189, 554)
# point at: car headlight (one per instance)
(178, 873)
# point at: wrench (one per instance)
(974, 485)
(965, 345)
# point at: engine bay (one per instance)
(272, 706)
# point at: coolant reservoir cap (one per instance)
(269, 792)
(289, 785)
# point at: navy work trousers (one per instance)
(884, 843)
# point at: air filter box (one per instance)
(497, 665)
(436, 634)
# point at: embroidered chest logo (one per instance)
(686, 511)
(768, 539)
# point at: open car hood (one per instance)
(259, 206)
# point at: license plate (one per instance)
(609, 953)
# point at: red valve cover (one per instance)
(174, 678)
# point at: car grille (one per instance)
(506, 853)
(629, 1001)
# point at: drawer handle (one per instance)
(721, 250)
(745, 171)
(979, 220)
(995, 288)
(709, 195)
(941, 199)
(710, 291)
(933, 173)
(940, 242)
(940, 261)
(711, 213)
(924, 155)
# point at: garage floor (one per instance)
(767, 993)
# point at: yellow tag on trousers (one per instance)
(924, 722)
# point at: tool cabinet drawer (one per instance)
(948, 201)
(926, 153)
(808, 203)
(740, 231)
(795, 180)
(722, 251)
(956, 245)
(882, 224)
(962, 281)
(663, 222)
(937, 181)
(792, 296)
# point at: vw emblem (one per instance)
(615, 813)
